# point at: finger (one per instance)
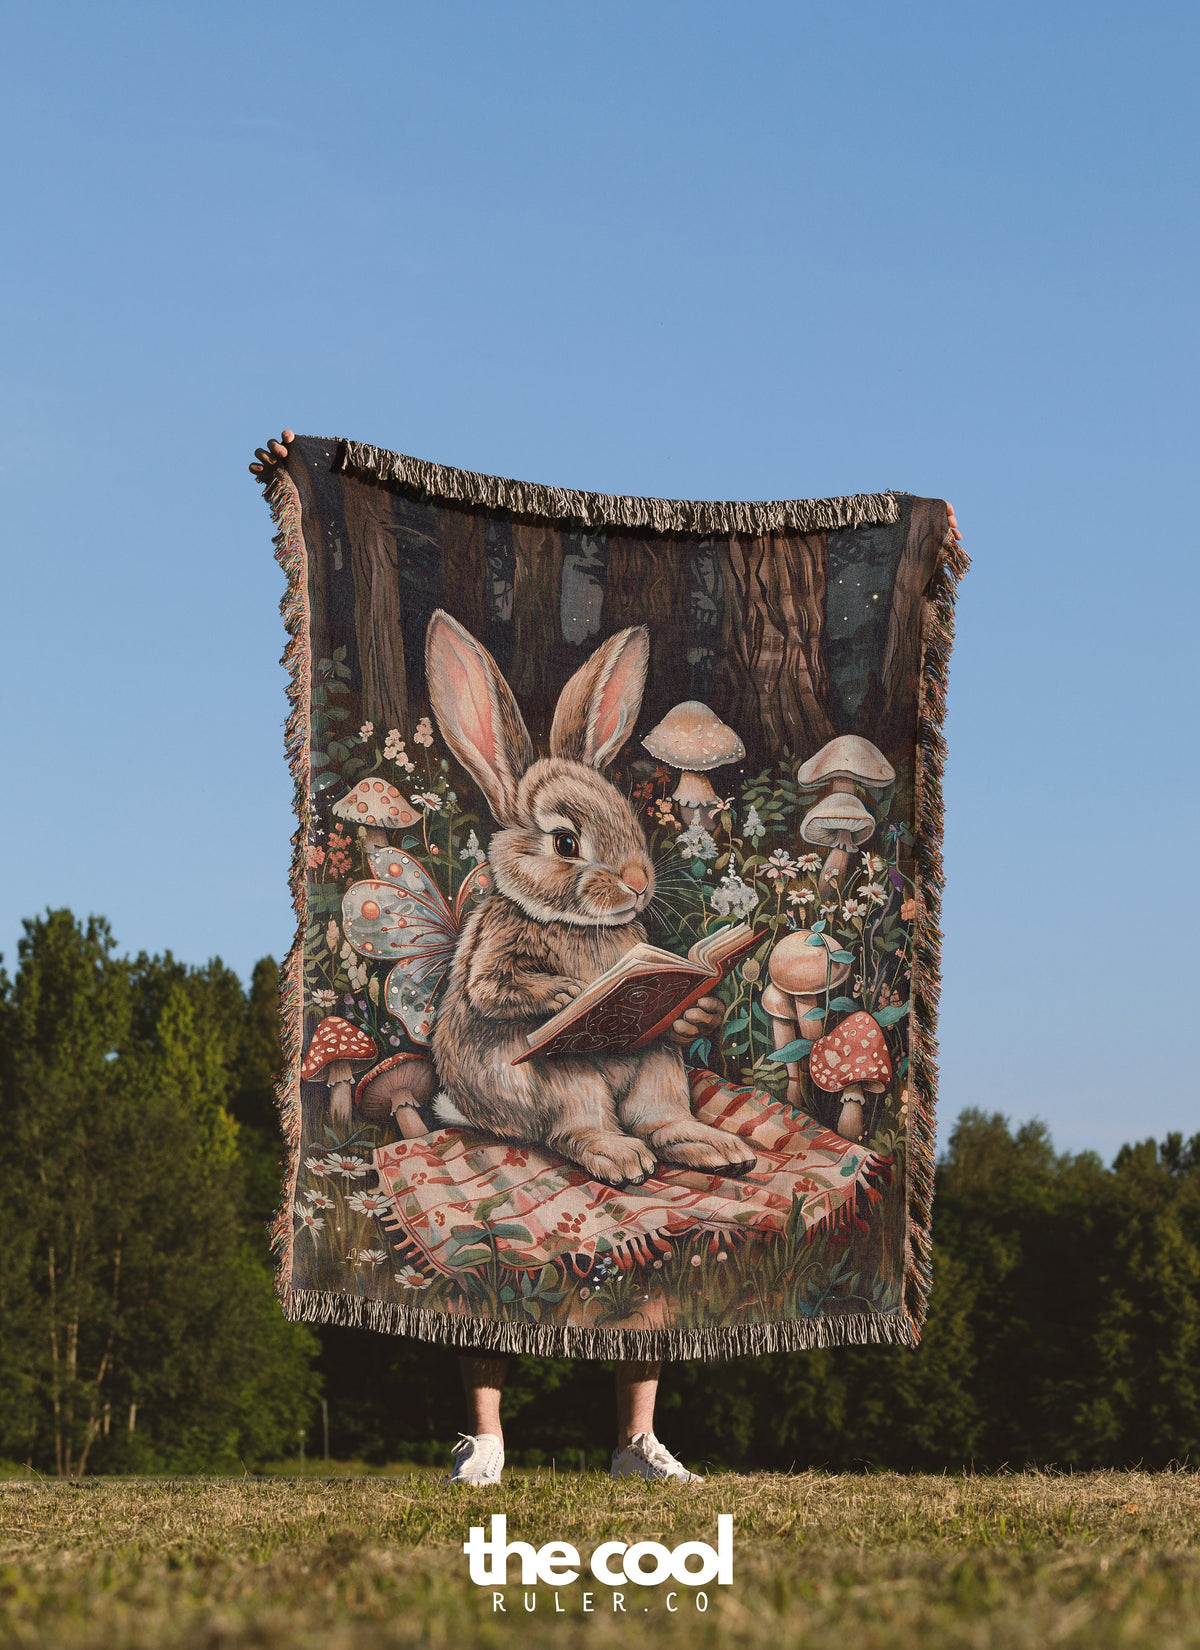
(278, 449)
(256, 469)
(267, 458)
(287, 436)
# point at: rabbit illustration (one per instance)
(573, 873)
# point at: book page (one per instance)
(641, 959)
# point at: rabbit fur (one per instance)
(573, 874)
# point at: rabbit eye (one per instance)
(566, 845)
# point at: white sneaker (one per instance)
(644, 1457)
(477, 1460)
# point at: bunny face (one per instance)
(575, 852)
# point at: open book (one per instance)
(637, 999)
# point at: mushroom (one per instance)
(378, 807)
(801, 973)
(337, 1051)
(839, 823)
(846, 762)
(694, 739)
(852, 1060)
(396, 1088)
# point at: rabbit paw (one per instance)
(563, 992)
(695, 1146)
(616, 1159)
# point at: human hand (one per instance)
(951, 518)
(701, 1020)
(274, 453)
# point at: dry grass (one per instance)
(1029, 1560)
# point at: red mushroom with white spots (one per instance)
(337, 1052)
(851, 1060)
(397, 1087)
(378, 807)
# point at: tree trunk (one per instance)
(771, 678)
(371, 529)
(537, 671)
(465, 592)
(648, 581)
(905, 638)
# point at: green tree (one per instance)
(147, 1333)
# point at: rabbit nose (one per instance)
(634, 877)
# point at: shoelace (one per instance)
(657, 1454)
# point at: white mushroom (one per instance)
(802, 974)
(694, 739)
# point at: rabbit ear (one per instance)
(599, 705)
(476, 711)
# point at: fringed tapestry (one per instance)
(610, 1016)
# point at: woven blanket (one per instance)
(609, 1022)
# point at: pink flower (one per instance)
(314, 856)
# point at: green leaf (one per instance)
(738, 1023)
(466, 1258)
(842, 956)
(511, 1229)
(792, 1051)
(889, 1016)
(818, 927)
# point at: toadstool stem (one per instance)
(339, 1075)
(850, 1118)
(810, 1016)
(409, 1121)
(784, 1032)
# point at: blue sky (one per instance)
(693, 250)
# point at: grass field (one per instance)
(856, 1563)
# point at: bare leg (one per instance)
(637, 1388)
(483, 1379)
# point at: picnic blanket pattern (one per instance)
(459, 1200)
(530, 728)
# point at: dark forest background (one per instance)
(140, 1162)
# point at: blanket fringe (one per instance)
(566, 1341)
(284, 501)
(698, 518)
(927, 962)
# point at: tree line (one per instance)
(140, 1163)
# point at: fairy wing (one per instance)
(402, 918)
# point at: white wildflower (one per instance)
(472, 850)
(733, 897)
(370, 1203)
(365, 732)
(696, 842)
(754, 827)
